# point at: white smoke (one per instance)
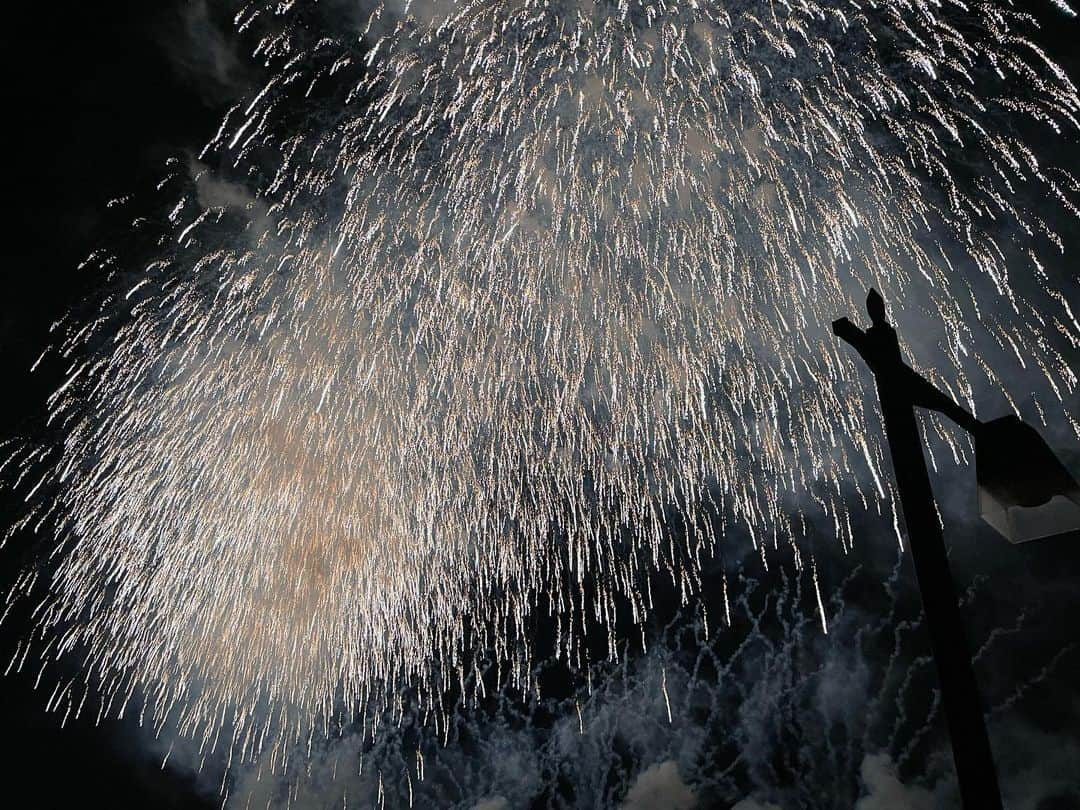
(886, 792)
(660, 785)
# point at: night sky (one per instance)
(98, 96)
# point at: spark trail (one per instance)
(482, 298)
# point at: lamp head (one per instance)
(1025, 492)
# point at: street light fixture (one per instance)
(1024, 492)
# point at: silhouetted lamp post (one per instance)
(1024, 492)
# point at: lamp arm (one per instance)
(925, 394)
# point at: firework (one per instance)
(479, 299)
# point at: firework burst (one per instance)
(482, 298)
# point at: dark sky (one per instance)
(95, 102)
(98, 95)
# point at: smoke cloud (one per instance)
(660, 785)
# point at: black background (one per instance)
(96, 101)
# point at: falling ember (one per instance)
(663, 689)
(501, 290)
(820, 604)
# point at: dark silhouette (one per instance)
(900, 388)
(1024, 491)
(880, 348)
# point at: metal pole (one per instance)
(963, 709)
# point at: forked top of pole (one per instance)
(880, 348)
